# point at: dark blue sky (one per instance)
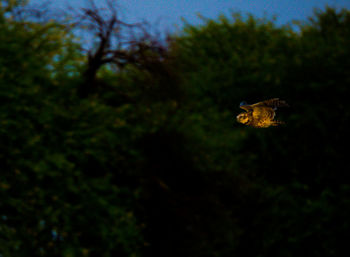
(168, 13)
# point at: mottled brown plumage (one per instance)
(262, 114)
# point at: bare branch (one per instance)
(118, 42)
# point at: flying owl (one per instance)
(262, 114)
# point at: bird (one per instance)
(261, 114)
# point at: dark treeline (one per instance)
(145, 158)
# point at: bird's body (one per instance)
(262, 114)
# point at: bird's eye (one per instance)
(243, 103)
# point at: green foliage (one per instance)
(153, 163)
(291, 171)
(235, 54)
(57, 190)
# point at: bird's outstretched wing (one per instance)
(274, 103)
(246, 107)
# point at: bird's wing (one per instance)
(274, 102)
(266, 102)
(246, 107)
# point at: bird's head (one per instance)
(243, 118)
